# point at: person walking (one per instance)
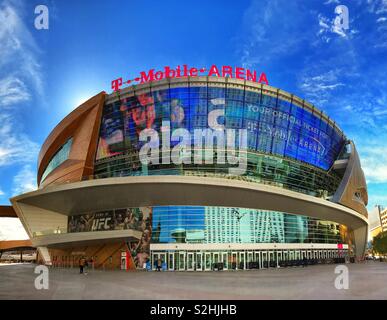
(82, 262)
(85, 267)
(159, 264)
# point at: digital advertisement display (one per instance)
(274, 126)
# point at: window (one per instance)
(60, 156)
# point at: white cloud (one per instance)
(374, 162)
(265, 34)
(378, 199)
(381, 19)
(318, 88)
(20, 79)
(12, 229)
(332, 1)
(12, 91)
(24, 181)
(377, 6)
(18, 54)
(2, 193)
(15, 146)
(333, 26)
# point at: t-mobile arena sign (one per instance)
(187, 71)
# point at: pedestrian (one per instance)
(81, 264)
(159, 264)
(86, 267)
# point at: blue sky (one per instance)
(44, 74)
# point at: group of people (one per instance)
(83, 265)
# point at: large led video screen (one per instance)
(274, 126)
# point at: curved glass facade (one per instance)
(60, 156)
(208, 226)
(193, 224)
(198, 224)
(287, 145)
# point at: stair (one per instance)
(105, 252)
(43, 252)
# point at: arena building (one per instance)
(196, 171)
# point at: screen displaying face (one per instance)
(274, 126)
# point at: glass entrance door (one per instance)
(234, 260)
(155, 257)
(224, 259)
(257, 258)
(272, 259)
(250, 260)
(181, 260)
(171, 261)
(291, 255)
(215, 258)
(190, 261)
(279, 257)
(199, 261)
(264, 260)
(207, 262)
(242, 260)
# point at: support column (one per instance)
(361, 236)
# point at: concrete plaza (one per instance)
(367, 280)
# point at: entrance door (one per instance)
(234, 260)
(224, 259)
(207, 258)
(215, 257)
(285, 255)
(272, 261)
(181, 260)
(257, 259)
(250, 259)
(291, 255)
(279, 257)
(242, 260)
(199, 261)
(264, 263)
(171, 261)
(163, 257)
(190, 261)
(155, 257)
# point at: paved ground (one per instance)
(366, 281)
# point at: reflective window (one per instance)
(302, 145)
(60, 156)
(208, 225)
(237, 225)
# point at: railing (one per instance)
(48, 232)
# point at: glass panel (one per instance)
(297, 138)
(60, 156)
